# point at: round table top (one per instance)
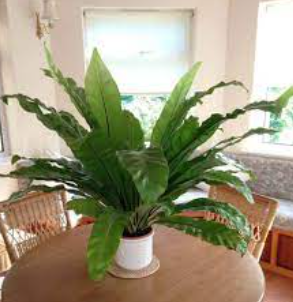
(190, 271)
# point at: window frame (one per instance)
(3, 127)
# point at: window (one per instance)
(146, 51)
(274, 67)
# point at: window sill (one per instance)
(5, 160)
(269, 150)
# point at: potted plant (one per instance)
(128, 185)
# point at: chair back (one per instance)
(260, 215)
(31, 220)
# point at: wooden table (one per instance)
(191, 271)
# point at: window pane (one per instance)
(274, 63)
(142, 105)
(147, 51)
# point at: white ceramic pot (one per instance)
(135, 253)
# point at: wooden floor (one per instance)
(278, 289)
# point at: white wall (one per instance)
(210, 39)
(22, 57)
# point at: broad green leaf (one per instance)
(233, 140)
(283, 100)
(86, 206)
(98, 155)
(185, 107)
(35, 188)
(222, 84)
(227, 178)
(276, 107)
(189, 175)
(104, 242)
(15, 158)
(149, 171)
(61, 122)
(144, 217)
(210, 231)
(180, 138)
(162, 128)
(69, 173)
(76, 94)
(211, 125)
(134, 136)
(236, 165)
(104, 98)
(235, 218)
(194, 168)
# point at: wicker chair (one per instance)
(261, 214)
(29, 221)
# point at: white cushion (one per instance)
(284, 218)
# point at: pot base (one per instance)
(123, 273)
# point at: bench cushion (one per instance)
(274, 176)
(284, 218)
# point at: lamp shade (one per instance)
(49, 10)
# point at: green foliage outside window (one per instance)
(145, 107)
(283, 124)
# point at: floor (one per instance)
(278, 289)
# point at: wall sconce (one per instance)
(45, 21)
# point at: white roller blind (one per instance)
(274, 56)
(146, 51)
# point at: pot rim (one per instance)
(149, 234)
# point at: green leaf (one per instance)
(144, 217)
(162, 128)
(210, 231)
(234, 217)
(149, 171)
(226, 177)
(233, 140)
(183, 136)
(188, 104)
(104, 242)
(86, 206)
(15, 158)
(210, 126)
(104, 98)
(65, 124)
(35, 188)
(276, 107)
(134, 134)
(236, 165)
(222, 84)
(98, 154)
(68, 172)
(283, 100)
(194, 168)
(76, 94)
